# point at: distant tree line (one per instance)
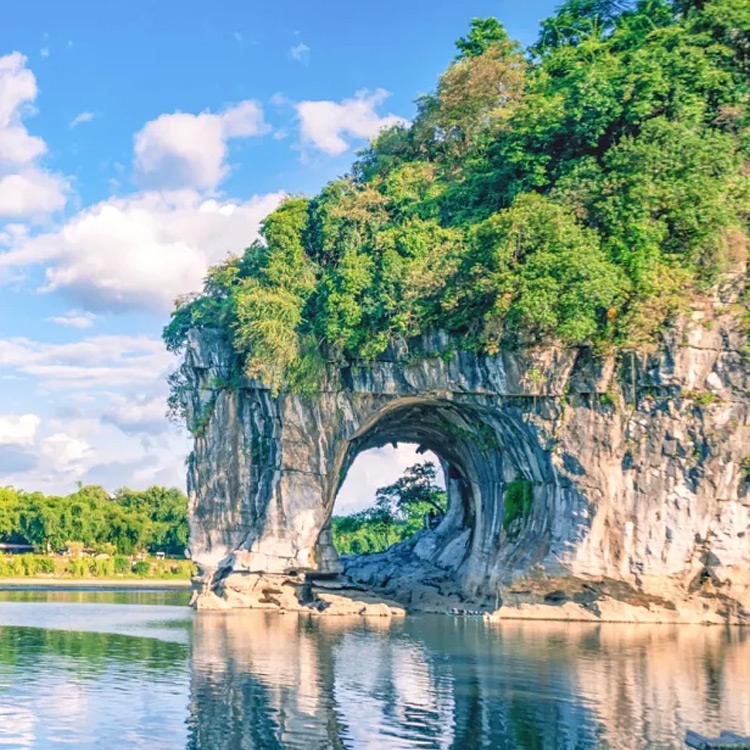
(125, 522)
(401, 509)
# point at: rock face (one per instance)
(632, 467)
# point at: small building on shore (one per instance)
(6, 548)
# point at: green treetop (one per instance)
(582, 192)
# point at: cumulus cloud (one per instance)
(22, 450)
(324, 124)
(80, 119)
(26, 189)
(18, 429)
(106, 361)
(183, 150)
(17, 87)
(74, 319)
(98, 455)
(17, 147)
(66, 453)
(32, 192)
(57, 457)
(300, 53)
(142, 415)
(141, 251)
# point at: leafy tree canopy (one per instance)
(583, 191)
(130, 520)
(401, 510)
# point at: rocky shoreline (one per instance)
(291, 593)
(543, 598)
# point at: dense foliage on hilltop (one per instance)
(401, 509)
(581, 190)
(154, 519)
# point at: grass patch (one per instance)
(31, 566)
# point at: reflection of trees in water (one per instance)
(23, 649)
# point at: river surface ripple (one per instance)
(135, 669)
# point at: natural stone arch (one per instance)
(482, 449)
(618, 451)
(266, 469)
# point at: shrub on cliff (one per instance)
(580, 191)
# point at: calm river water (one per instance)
(140, 670)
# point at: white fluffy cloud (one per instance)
(74, 319)
(18, 429)
(97, 362)
(17, 147)
(183, 150)
(26, 190)
(142, 251)
(323, 124)
(65, 453)
(32, 192)
(17, 87)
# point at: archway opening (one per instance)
(469, 459)
(391, 493)
(500, 490)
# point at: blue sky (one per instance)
(141, 142)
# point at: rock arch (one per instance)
(558, 463)
(484, 449)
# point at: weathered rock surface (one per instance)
(291, 593)
(636, 464)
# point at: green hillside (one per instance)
(582, 191)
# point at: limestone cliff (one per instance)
(632, 467)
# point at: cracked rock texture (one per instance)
(635, 466)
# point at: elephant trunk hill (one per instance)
(577, 486)
(542, 278)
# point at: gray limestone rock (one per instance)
(636, 463)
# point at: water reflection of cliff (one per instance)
(267, 681)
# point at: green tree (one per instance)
(483, 34)
(583, 192)
(130, 520)
(399, 512)
(414, 495)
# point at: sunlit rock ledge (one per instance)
(635, 466)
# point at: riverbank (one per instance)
(15, 584)
(571, 599)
